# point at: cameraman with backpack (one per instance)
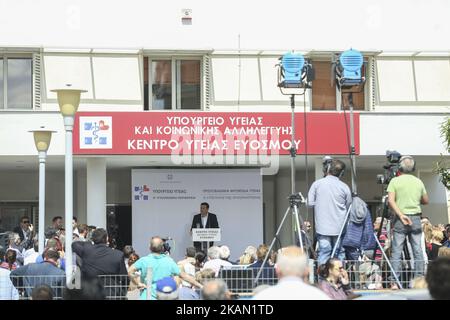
(405, 195)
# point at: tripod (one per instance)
(352, 152)
(294, 199)
(384, 214)
(354, 191)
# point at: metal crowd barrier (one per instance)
(115, 287)
(373, 274)
(241, 280)
(21, 287)
(363, 275)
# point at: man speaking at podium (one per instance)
(204, 219)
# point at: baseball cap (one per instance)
(166, 285)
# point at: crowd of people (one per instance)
(343, 243)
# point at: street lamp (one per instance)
(42, 140)
(68, 100)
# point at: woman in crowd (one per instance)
(200, 259)
(249, 256)
(436, 239)
(133, 291)
(334, 280)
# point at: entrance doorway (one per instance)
(118, 224)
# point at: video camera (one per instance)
(391, 168)
(166, 245)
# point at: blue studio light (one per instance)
(351, 62)
(292, 65)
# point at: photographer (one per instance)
(405, 195)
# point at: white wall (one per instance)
(249, 84)
(437, 208)
(14, 128)
(415, 134)
(321, 24)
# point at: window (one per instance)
(172, 84)
(418, 80)
(324, 91)
(16, 83)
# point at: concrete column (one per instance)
(96, 192)
(80, 195)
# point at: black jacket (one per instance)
(25, 244)
(99, 259)
(19, 231)
(211, 222)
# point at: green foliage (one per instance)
(443, 170)
(443, 166)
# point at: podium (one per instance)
(205, 235)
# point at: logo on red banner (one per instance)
(95, 132)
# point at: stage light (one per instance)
(294, 71)
(348, 70)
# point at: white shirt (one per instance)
(30, 256)
(7, 290)
(291, 288)
(216, 264)
(204, 219)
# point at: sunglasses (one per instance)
(26, 221)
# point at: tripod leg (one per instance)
(272, 244)
(342, 230)
(389, 263)
(299, 229)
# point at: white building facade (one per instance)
(196, 57)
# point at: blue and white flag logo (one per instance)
(141, 192)
(95, 132)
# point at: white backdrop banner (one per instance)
(164, 202)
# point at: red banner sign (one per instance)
(212, 133)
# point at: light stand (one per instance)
(297, 74)
(347, 74)
(347, 71)
(42, 140)
(68, 100)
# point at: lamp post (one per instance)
(42, 140)
(68, 100)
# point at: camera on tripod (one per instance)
(166, 246)
(391, 168)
